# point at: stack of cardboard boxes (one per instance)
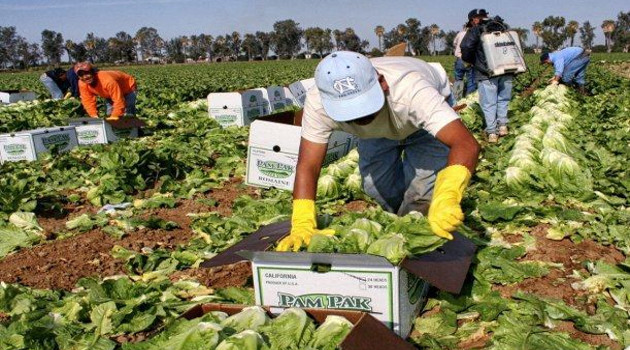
(275, 117)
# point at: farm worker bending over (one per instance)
(60, 82)
(494, 92)
(117, 87)
(569, 66)
(413, 148)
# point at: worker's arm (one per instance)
(88, 100)
(118, 100)
(304, 219)
(445, 213)
(310, 159)
(464, 148)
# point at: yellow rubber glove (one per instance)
(303, 226)
(445, 214)
(68, 95)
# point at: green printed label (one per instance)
(62, 140)
(275, 169)
(14, 150)
(325, 301)
(88, 135)
(225, 118)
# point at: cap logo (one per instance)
(344, 85)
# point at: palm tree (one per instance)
(572, 29)
(69, 46)
(236, 44)
(537, 30)
(337, 35)
(90, 45)
(608, 26)
(402, 31)
(379, 31)
(435, 31)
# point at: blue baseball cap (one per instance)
(348, 86)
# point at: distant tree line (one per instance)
(287, 40)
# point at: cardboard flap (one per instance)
(126, 123)
(260, 240)
(371, 334)
(446, 267)
(278, 137)
(84, 121)
(300, 88)
(224, 100)
(255, 98)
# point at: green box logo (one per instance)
(275, 169)
(325, 301)
(225, 118)
(88, 135)
(60, 140)
(15, 150)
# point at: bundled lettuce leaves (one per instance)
(543, 156)
(378, 233)
(291, 330)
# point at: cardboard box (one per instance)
(12, 96)
(98, 131)
(26, 145)
(238, 108)
(367, 333)
(273, 147)
(280, 97)
(299, 90)
(360, 282)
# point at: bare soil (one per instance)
(593, 339)
(622, 69)
(236, 275)
(557, 284)
(59, 264)
(357, 206)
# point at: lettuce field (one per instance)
(100, 247)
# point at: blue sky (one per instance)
(172, 18)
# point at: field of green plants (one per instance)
(549, 210)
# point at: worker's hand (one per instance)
(303, 226)
(94, 116)
(68, 95)
(553, 81)
(445, 213)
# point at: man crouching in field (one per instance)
(118, 88)
(415, 153)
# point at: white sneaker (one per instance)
(493, 138)
(503, 130)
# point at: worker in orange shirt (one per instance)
(118, 88)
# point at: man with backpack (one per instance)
(495, 92)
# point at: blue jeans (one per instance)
(575, 71)
(460, 74)
(130, 104)
(494, 96)
(52, 87)
(400, 175)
